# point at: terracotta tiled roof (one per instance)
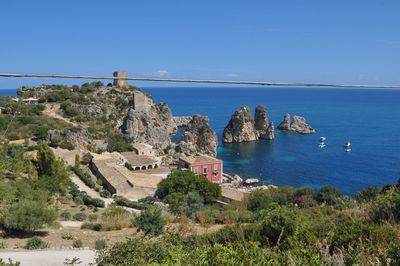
(199, 159)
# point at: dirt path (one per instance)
(53, 111)
(49, 257)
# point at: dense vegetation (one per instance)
(282, 226)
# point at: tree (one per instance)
(186, 181)
(195, 202)
(46, 159)
(328, 194)
(176, 202)
(77, 161)
(26, 216)
(150, 222)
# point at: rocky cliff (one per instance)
(264, 130)
(298, 125)
(153, 127)
(241, 127)
(198, 137)
(77, 137)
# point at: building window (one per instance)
(205, 170)
(196, 170)
(215, 169)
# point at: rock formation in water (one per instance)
(298, 125)
(265, 130)
(241, 127)
(198, 137)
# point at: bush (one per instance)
(93, 201)
(80, 216)
(368, 194)
(36, 243)
(91, 226)
(129, 166)
(86, 158)
(121, 201)
(328, 195)
(100, 244)
(67, 237)
(93, 217)
(77, 243)
(26, 216)
(105, 193)
(84, 176)
(176, 202)
(66, 216)
(150, 222)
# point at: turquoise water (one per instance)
(369, 118)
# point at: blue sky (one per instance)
(279, 41)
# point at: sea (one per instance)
(368, 118)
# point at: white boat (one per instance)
(347, 144)
(322, 145)
(347, 150)
(322, 139)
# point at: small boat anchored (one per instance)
(347, 144)
(322, 142)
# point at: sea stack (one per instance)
(298, 125)
(241, 127)
(265, 130)
(199, 137)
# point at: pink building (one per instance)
(203, 165)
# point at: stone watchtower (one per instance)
(120, 82)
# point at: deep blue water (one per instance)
(369, 118)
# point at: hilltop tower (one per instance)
(120, 82)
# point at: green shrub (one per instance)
(93, 217)
(121, 201)
(84, 176)
(328, 195)
(77, 243)
(176, 202)
(128, 165)
(150, 222)
(92, 226)
(86, 158)
(66, 216)
(36, 243)
(105, 193)
(368, 194)
(99, 182)
(100, 244)
(26, 216)
(67, 237)
(80, 216)
(93, 201)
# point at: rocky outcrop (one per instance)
(198, 137)
(77, 137)
(265, 130)
(182, 121)
(261, 118)
(298, 125)
(241, 127)
(269, 133)
(88, 109)
(285, 124)
(153, 127)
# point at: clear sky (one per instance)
(338, 41)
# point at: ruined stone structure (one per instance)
(120, 82)
(141, 102)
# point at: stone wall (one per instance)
(120, 82)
